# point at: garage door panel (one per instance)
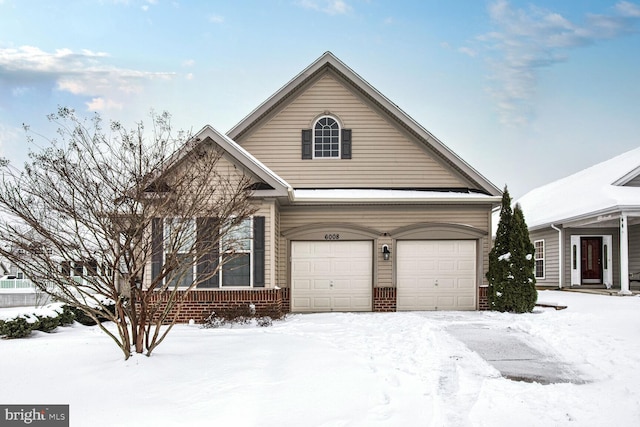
(321, 284)
(303, 284)
(436, 275)
(300, 267)
(340, 274)
(468, 302)
(467, 284)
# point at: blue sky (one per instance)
(524, 91)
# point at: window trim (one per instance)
(313, 139)
(166, 232)
(221, 253)
(541, 258)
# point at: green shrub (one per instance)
(67, 316)
(81, 317)
(18, 327)
(47, 323)
(243, 314)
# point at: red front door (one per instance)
(591, 254)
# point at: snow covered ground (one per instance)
(342, 369)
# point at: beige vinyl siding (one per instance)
(551, 251)
(382, 219)
(382, 155)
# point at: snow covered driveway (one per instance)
(369, 369)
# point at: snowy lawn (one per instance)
(342, 369)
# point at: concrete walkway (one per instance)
(510, 353)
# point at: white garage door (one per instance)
(436, 275)
(331, 276)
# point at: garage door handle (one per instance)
(436, 283)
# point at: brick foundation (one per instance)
(483, 298)
(384, 299)
(198, 305)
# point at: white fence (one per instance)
(22, 292)
(17, 286)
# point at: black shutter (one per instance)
(258, 252)
(346, 144)
(307, 144)
(157, 240)
(207, 252)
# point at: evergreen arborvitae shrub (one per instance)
(498, 272)
(511, 263)
(523, 285)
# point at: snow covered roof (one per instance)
(596, 191)
(388, 195)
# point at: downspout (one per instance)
(560, 255)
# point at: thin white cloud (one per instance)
(525, 40)
(330, 7)
(84, 73)
(215, 19)
(468, 51)
(101, 104)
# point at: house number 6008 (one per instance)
(331, 237)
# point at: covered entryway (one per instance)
(436, 275)
(331, 276)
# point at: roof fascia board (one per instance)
(383, 200)
(627, 177)
(606, 214)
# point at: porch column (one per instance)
(624, 256)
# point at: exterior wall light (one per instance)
(386, 253)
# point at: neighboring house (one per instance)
(359, 207)
(586, 227)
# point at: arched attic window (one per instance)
(326, 140)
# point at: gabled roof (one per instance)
(240, 156)
(329, 61)
(247, 160)
(596, 191)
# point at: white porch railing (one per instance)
(24, 285)
(13, 285)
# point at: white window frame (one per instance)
(166, 233)
(539, 257)
(248, 222)
(222, 251)
(313, 139)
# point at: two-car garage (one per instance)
(338, 275)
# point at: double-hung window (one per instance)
(179, 241)
(235, 255)
(198, 247)
(539, 258)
